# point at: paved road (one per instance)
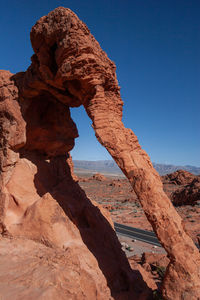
(138, 234)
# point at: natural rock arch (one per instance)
(70, 69)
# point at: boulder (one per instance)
(99, 177)
(180, 177)
(187, 195)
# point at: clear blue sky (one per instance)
(156, 47)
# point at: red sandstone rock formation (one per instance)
(188, 194)
(180, 177)
(31, 271)
(156, 259)
(39, 198)
(40, 201)
(99, 177)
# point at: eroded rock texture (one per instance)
(180, 177)
(188, 194)
(40, 199)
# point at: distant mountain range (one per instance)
(163, 169)
(109, 166)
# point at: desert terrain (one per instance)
(115, 193)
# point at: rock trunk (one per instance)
(182, 279)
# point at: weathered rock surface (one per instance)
(188, 194)
(155, 259)
(33, 271)
(180, 177)
(40, 200)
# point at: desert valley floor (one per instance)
(115, 194)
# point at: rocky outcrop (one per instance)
(180, 177)
(40, 272)
(98, 177)
(155, 259)
(188, 194)
(41, 201)
(39, 198)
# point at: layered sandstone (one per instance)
(40, 199)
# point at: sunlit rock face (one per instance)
(40, 199)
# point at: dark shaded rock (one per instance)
(189, 194)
